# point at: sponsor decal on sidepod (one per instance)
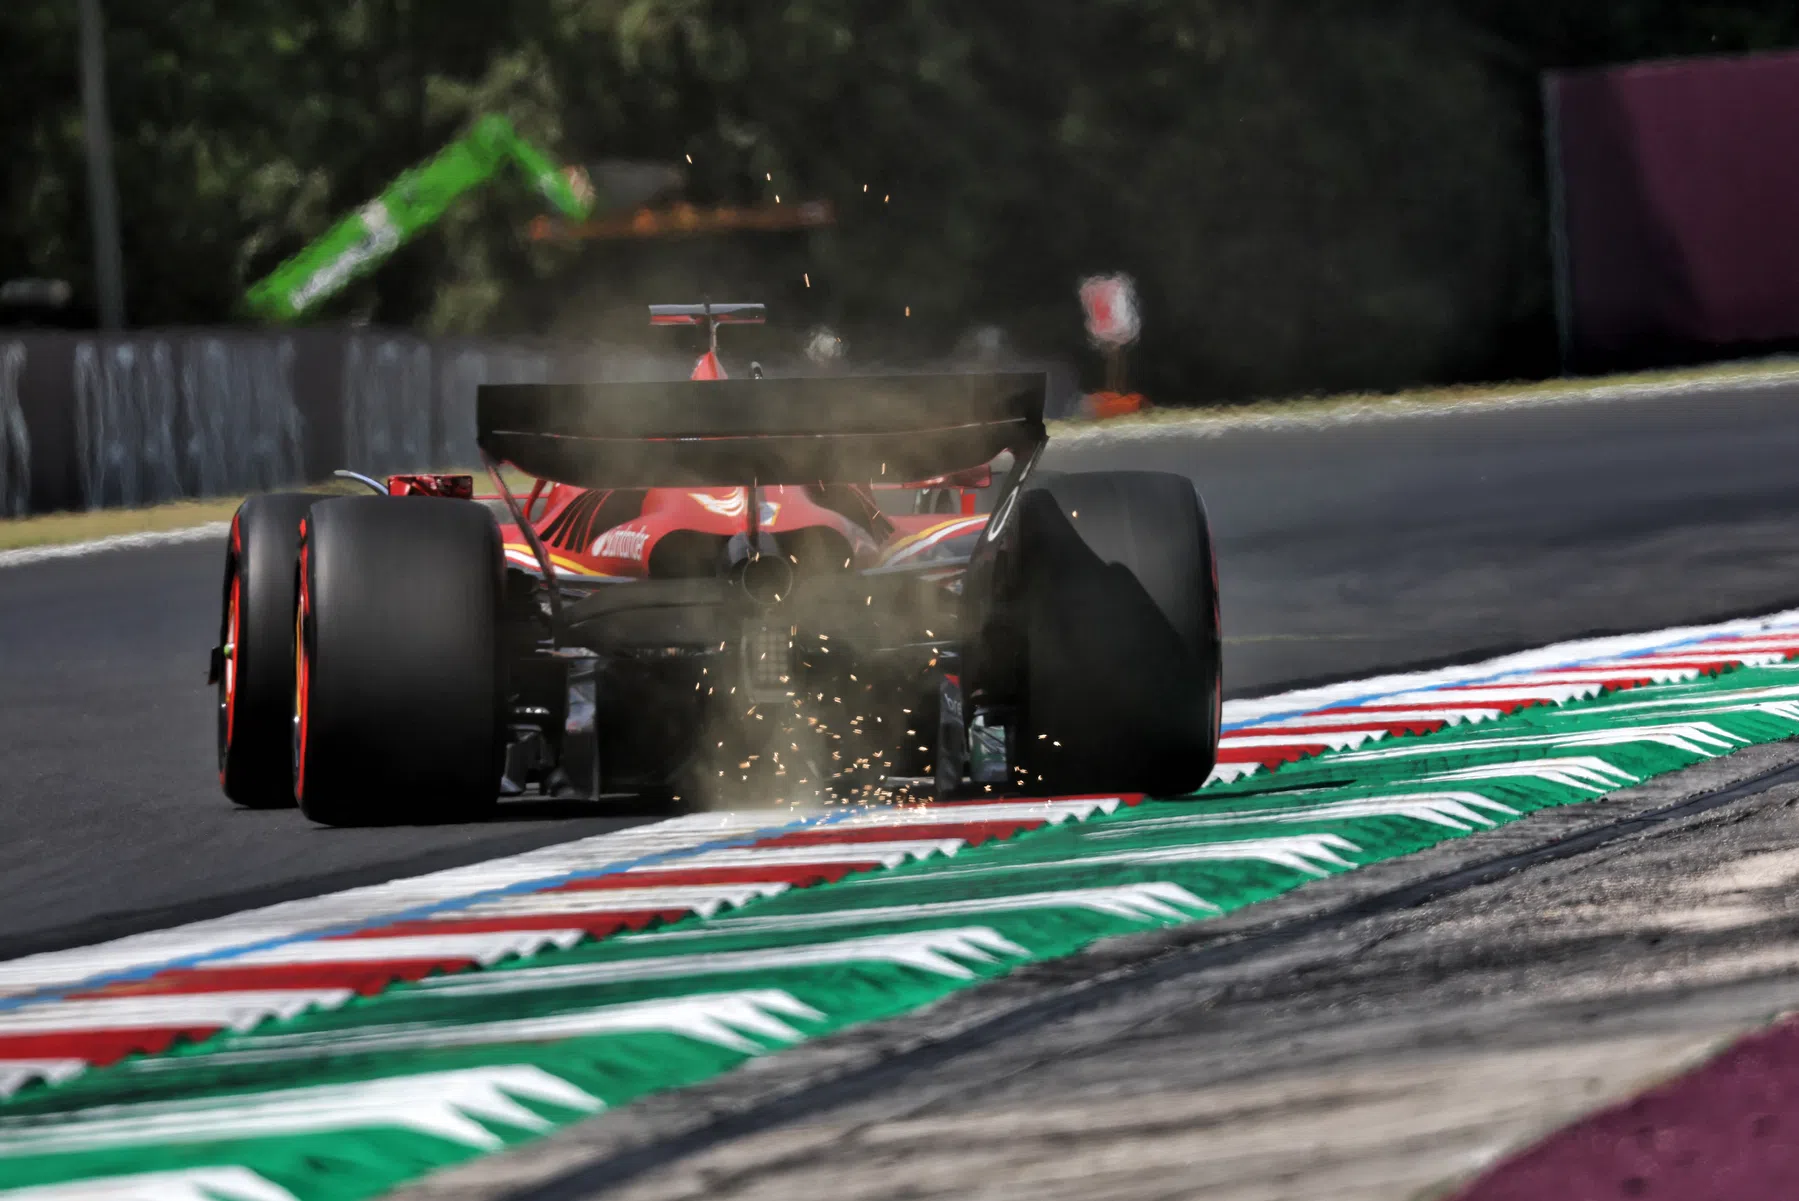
(621, 542)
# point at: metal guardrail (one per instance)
(92, 420)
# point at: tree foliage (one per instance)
(1314, 195)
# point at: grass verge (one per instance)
(52, 529)
(59, 529)
(1351, 405)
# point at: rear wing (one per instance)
(708, 314)
(760, 431)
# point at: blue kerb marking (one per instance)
(528, 886)
(418, 912)
(1473, 681)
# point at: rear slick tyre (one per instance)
(1123, 685)
(397, 707)
(256, 666)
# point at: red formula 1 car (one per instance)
(711, 590)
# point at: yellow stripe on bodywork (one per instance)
(911, 539)
(925, 538)
(562, 564)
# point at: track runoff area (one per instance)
(341, 1046)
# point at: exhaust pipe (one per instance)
(762, 571)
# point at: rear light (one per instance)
(768, 662)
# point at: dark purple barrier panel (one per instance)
(1727, 1131)
(1680, 203)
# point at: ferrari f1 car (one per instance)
(717, 587)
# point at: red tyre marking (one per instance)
(229, 675)
(302, 671)
(231, 632)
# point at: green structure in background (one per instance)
(360, 242)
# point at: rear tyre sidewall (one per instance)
(256, 687)
(398, 703)
(1118, 606)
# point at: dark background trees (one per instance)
(1312, 195)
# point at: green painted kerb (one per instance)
(349, 1103)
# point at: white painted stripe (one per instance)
(1730, 654)
(987, 811)
(725, 1019)
(71, 967)
(482, 948)
(1589, 773)
(1551, 694)
(294, 919)
(889, 854)
(1770, 642)
(1456, 810)
(1692, 737)
(1376, 719)
(1313, 854)
(1581, 675)
(183, 1184)
(1383, 689)
(1335, 739)
(236, 1010)
(26, 555)
(17, 1073)
(704, 899)
(1145, 901)
(443, 1104)
(942, 952)
(1709, 699)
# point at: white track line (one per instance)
(290, 920)
(311, 932)
(27, 555)
(1213, 423)
(1382, 689)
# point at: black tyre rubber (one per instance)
(1118, 602)
(398, 708)
(256, 672)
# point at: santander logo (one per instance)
(621, 542)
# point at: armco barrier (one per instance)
(89, 420)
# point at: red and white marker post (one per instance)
(1113, 323)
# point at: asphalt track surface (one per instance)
(1335, 1046)
(1345, 549)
